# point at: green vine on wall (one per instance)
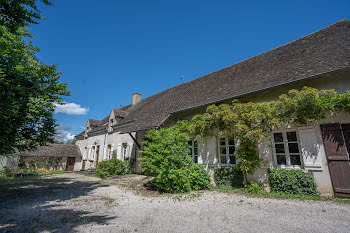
(251, 123)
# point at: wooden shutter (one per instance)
(309, 148)
(334, 143)
(338, 160)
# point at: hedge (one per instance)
(230, 176)
(292, 181)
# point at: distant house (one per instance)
(68, 155)
(320, 60)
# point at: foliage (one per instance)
(34, 163)
(20, 13)
(27, 171)
(292, 181)
(111, 167)
(230, 176)
(43, 170)
(253, 188)
(30, 89)
(249, 158)
(250, 123)
(199, 177)
(7, 172)
(165, 156)
(129, 164)
(58, 172)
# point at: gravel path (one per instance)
(75, 203)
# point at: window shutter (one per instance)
(334, 142)
(119, 152)
(105, 152)
(310, 148)
(89, 153)
(112, 150)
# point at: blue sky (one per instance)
(109, 49)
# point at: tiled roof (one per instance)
(318, 53)
(102, 124)
(54, 150)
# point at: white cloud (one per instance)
(71, 109)
(63, 134)
(69, 137)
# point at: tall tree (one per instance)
(29, 89)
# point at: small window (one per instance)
(286, 149)
(227, 151)
(193, 150)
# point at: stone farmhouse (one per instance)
(320, 60)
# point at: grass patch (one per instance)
(59, 172)
(277, 195)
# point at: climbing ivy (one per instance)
(250, 123)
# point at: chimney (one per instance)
(136, 98)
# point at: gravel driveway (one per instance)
(76, 203)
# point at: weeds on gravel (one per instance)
(187, 196)
(277, 195)
(85, 220)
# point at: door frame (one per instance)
(72, 158)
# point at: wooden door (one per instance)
(70, 164)
(338, 157)
(84, 164)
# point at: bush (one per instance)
(165, 156)
(292, 181)
(173, 180)
(129, 164)
(199, 177)
(111, 167)
(58, 172)
(7, 172)
(254, 188)
(230, 176)
(27, 171)
(43, 170)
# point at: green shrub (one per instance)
(165, 156)
(58, 172)
(111, 167)
(27, 171)
(173, 180)
(230, 176)
(129, 164)
(199, 177)
(292, 181)
(7, 172)
(254, 188)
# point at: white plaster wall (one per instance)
(88, 143)
(340, 82)
(116, 139)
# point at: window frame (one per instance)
(227, 147)
(286, 149)
(192, 154)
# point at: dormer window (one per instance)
(112, 122)
(88, 129)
